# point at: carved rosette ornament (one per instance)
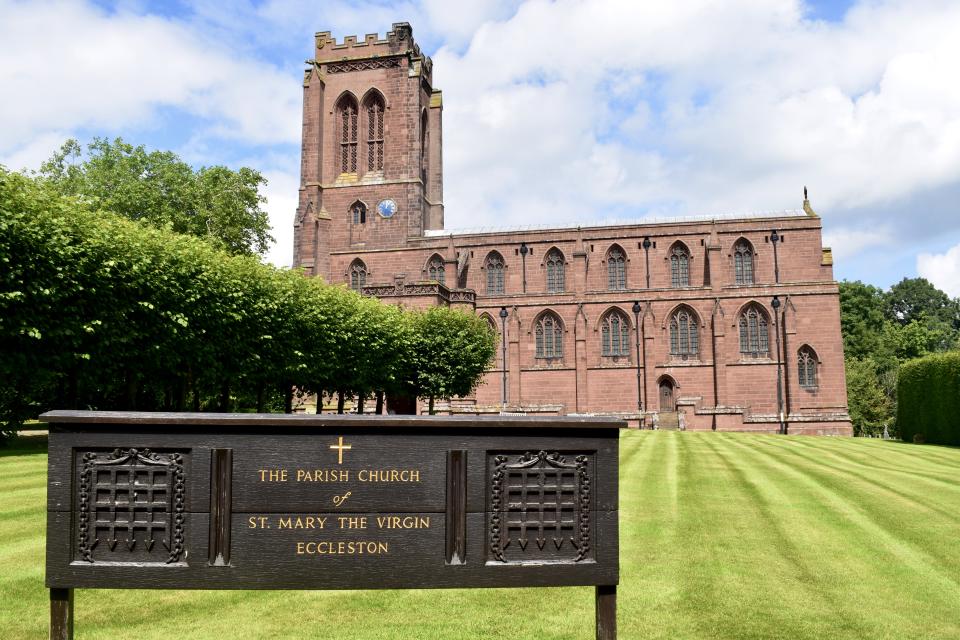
(540, 508)
(137, 494)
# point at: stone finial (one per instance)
(806, 205)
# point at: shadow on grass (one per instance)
(23, 446)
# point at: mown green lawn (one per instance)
(722, 536)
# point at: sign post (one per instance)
(261, 501)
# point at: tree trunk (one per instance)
(288, 398)
(379, 408)
(340, 401)
(430, 408)
(260, 398)
(225, 396)
(360, 404)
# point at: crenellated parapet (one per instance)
(396, 48)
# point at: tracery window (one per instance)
(555, 271)
(436, 270)
(616, 269)
(807, 368)
(743, 262)
(684, 334)
(679, 266)
(754, 333)
(358, 275)
(549, 336)
(494, 269)
(347, 112)
(358, 213)
(374, 133)
(615, 334)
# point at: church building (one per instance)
(711, 322)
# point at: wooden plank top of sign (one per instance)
(260, 501)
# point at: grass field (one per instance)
(722, 536)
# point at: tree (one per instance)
(870, 408)
(215, 203)
(917, 299)
(862, 319)
(450, 352)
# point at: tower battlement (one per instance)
(397, 42)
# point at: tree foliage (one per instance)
(99, 311)
(883, 330)
(215, 203)
(450, 350)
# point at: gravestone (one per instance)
(260, 501)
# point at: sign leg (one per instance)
(607, 612)
(61, 614)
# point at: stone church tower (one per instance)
(356, 192)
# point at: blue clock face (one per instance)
(387, 208)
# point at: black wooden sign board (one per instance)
(260, 501)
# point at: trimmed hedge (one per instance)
(928, 399)
(98, 311)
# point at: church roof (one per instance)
(639, 222)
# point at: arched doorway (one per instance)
(668, 400)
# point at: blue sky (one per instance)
(570, 110)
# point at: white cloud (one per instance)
(847, 242)
(69, 65)
(282, 194)
(942, 269)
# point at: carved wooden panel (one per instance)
(539, 506)
(130, 506)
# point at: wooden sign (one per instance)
(261, 501)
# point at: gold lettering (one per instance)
(405, 522)
(389, 475)
(258, 522)
(284, 523)
(352, 522)
(323, 475)
(343, 548)
(273, 475)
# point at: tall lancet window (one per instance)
(549, 336)
(754, 333)
(616, 269)
(374, 132)
(679, 266)
(347, 114)
(494, 268)
(615, 334)
(555, 274)
(807, 368)
(743, 262)
(684, 338)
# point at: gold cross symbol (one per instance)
(340, 447)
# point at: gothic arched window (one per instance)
(374, 104)
(679, 266)
(494, 267)
(684, 334)
(807, 368)
(616, 269)
(358, 274)
(436, 270)
(555, 273)
(549, 336)
(358, 213)
(347, 113)
(754, 333)
(743, 262)
(615, 334)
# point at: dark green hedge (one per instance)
(98, 311)
(928, 399)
